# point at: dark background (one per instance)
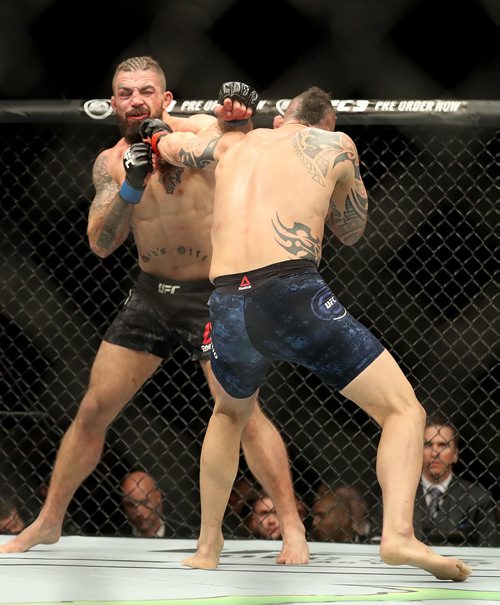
(375, 49)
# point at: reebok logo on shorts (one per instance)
(245, 283)
(206, 345)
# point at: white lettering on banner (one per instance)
(341, 105)
(427, 106)
(191, 105)
(209, 105)
(448, 105)
(416, 105)
(351, 104)
(385, 106)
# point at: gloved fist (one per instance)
(152, 130)
(138, 163)
(239, 91)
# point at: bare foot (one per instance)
(32, 535)
(294, 550)
(413, 552)
(206, 556)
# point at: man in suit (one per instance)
(450, 510)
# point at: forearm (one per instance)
(109, 225)
(188, 150)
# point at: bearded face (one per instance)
(129, 123)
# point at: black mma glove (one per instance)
(239, 91)
(152, 130)
(138, 163)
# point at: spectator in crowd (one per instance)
(244, 491)
(449, 509)
(142, 502)
(332, 517)
(362, 524)
(11, 521)
(263, 521)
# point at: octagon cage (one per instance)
(421, 279)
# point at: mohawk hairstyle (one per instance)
(313, 105)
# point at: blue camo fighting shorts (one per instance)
(284, 312)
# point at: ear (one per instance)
(113, 104)
(278, 121)
(167, 99)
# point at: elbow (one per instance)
(350, 237)
(96, 244)
(98, 250)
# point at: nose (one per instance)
(143, 511)
(136, 98)
(272, 521)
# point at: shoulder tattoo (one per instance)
(319, 152)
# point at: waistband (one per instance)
(166, 284)
(239, 282)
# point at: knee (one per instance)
(413, 409)
(405, 403)
(93, 415)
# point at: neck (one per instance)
(295, 123)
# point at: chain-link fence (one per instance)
(422, 279)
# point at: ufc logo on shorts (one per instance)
(167, 289)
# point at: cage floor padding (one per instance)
(128, 571)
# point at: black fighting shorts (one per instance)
(160, 313)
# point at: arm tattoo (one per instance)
(350, 224)
(112, 213)
(116, 221)
(298, 240)
(199, 154)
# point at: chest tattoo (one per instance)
(169, 176)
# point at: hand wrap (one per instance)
(239, 91)
(152, 130)
(138, 163)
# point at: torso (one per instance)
(171, 224)
(275, 209)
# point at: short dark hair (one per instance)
(141, 64)
(441, 420)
